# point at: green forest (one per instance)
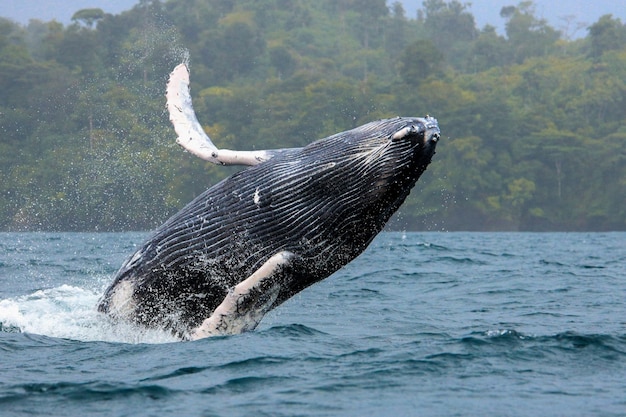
(533, 120)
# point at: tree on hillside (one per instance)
(419, 61)
(488, 51)
(451, 28)
(607, 34)
(527, 35)
(88, 16)
(397, 31)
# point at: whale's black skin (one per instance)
(321, 205)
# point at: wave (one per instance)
(564, 341)
(83, 392)
(69, 312)
(293, 330)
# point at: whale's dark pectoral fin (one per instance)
(191, 135)
(245, 304)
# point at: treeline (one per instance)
(533, 121)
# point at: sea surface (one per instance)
(422, 324)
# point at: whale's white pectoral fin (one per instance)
(191, 135)
(245, 304)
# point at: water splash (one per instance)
(69, 312)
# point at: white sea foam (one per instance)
(70, 312)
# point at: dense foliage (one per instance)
(533, 121)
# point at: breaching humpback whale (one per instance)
(255, 239)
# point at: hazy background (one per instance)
(485, 11)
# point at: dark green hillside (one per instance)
(534, 124)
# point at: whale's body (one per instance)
(262, 235)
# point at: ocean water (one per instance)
(422, 324)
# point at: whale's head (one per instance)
(397, 151)
(381, 160)
(354, 181)
(393, 155)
